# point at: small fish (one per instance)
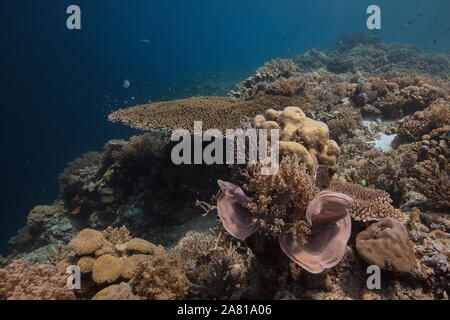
(410, 22)
(28, 160)
(145, 41)
(434, 41)
(126, 84)
(420, 15)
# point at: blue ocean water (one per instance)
(57, 85)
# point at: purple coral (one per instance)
(330, 223)
(230, 206)
(327, 215)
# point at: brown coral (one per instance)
(87, 241)
(214, 112)
(281, 198)
(161, 278)
(121, 291)
(106, 269)
(21, 281)
(369, 204)
(386, 244)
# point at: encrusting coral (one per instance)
(386, 244)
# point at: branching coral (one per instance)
(276, 202)
(433, 183)
(269, 73)
(21, 281)
(216, 272)
(161, 277)
(368, 204)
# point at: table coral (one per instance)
(386, 244)
(214, 112)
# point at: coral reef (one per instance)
(359, 52)
(369, 144)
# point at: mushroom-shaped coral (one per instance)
(106, 269)
(235, 218)
(303, 136)
(386, 244)
(330, 223)
(87, 242)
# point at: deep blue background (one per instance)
(57, 85)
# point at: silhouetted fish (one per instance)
(434, 41)
(28, 160)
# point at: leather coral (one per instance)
(326, 215)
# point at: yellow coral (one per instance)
(301, 135)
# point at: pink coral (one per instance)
(21, 281)
(236, 219)
(330, 225)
